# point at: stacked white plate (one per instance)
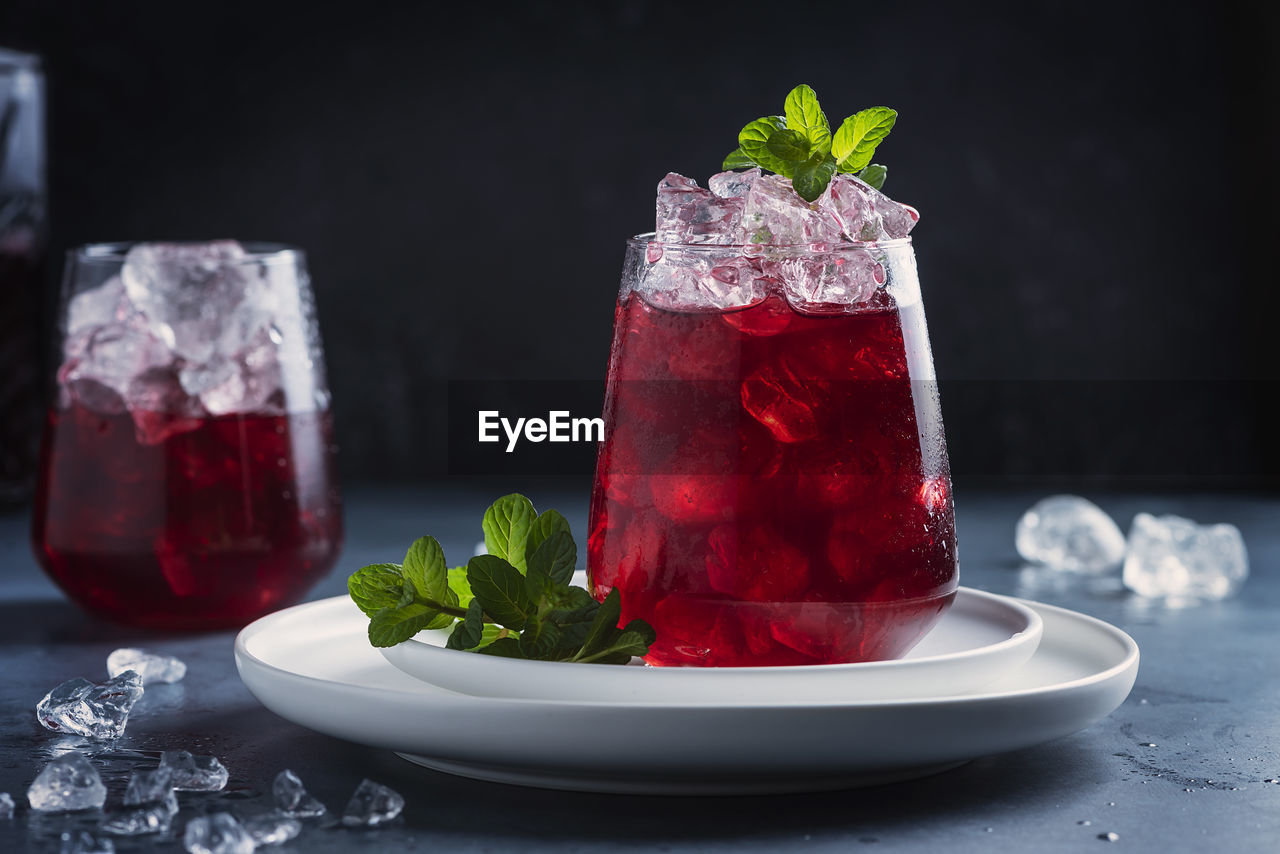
(996, 674)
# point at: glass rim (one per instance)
(255, 251)
(645, 238)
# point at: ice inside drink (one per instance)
(187, 475)
(773, 488)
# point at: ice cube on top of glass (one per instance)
(1174, 558)
(793, 182)
(192, 329)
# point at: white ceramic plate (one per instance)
(980, 638)
(312, 664)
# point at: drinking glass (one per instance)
(773, 488)
(187, 472)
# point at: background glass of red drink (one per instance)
(774, 488)
(153, 510)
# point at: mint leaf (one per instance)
(571, 605)
(555, 557)
(494, 607)
(856, 139)
(789, 145)
(737, 159)
(633, 640)
(505, 647)
(491, 633)
(391, 626)
(603, 626)
(375, 587)
(539, 639)
(804, 115)
(425, 566)
(500, 589)
(547, 523)
(459, 586)
(813, 176)
(874, 175)
(468, 633)
(754, 142)
(506, 528)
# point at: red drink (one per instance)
(773, 488)
(223, 520)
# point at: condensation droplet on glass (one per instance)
(1085, 822)
(1148, 744)
(1109, 837)
(274, 333)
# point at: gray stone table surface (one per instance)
(1207, 696)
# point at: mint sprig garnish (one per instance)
(516, 601)
(801, 146)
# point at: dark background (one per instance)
(1098, 184)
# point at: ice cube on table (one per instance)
(66, 784)
(152, 787)
(687, 213)
(272, 828)
(138, 821)
(1174, 558)
(292, 797)
(219, 833)
(194, 773)
(1070, 533)
(6, 805)
(152, 667)
(95, 711)
(83, 842)
(372, 804)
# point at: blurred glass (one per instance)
(187, 479)
(22, 256)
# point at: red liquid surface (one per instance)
(211, 527)
(773, 488)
